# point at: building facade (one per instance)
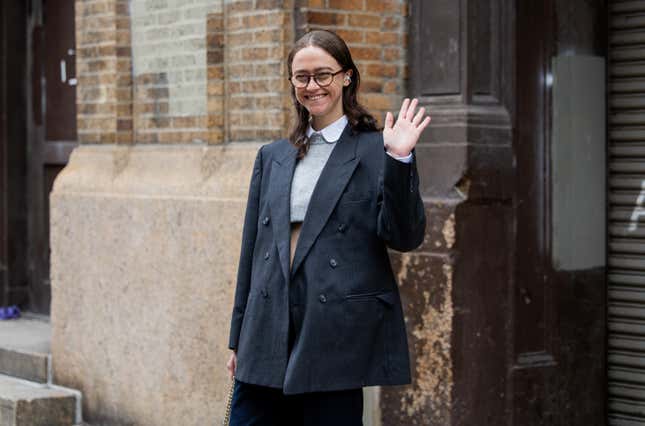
(128, 132)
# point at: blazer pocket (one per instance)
(386, 297)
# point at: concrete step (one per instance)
(25, 348)
(24, 403)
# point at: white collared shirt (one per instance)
(332, 133)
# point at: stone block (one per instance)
(145, 242)
(25, 404)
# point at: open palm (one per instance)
(401, 137)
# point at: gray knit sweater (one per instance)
(307, 173)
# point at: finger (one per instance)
(424, 124)
(419, 116)
(389, 120)
(411, 108)
(404, 107)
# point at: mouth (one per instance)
(316, 97)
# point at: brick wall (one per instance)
(103, 66)
(171, 45)
(185, 71)
(259, 35)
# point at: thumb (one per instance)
(389, 120)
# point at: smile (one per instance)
(316, 97)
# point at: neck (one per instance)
(319, 123)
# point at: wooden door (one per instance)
(52, 132)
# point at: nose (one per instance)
(311, 82)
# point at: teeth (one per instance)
(313, 98)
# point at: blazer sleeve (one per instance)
(246, 256)
(401, 216)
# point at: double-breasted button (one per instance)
(322, 298)
(333, 263)
(341, 228)
(266, 220)
(266, 256)
(264, 293)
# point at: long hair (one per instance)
(357, 116)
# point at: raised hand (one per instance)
(401, 137)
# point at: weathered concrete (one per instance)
(25, 404)
(25, 348)
(145, 243)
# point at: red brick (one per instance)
(347, 4)
(214, 22)
(215, 72)
(364, 20)
(367, 53)
(394, 6)
(239, 6)
(392, 54)
(391, 23)
(382, 70)
(381, 38)
(351, 36)
(326, 18)
(316, 3)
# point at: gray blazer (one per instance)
(340, 294)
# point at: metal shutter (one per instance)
(626, 272)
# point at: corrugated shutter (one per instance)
(626, 298)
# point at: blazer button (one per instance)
(333, 263)
(341, 228)
(264, 293)
(266, 220)
(322, 298)
(266, 256)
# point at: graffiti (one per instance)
(639, 210)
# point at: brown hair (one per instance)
(358, 117)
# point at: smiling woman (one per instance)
(317, 311)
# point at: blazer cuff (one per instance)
(407, 159)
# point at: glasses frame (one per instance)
(310, 76)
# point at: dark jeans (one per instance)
(263, 406)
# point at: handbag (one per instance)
(229, 401)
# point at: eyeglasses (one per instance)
(322, 79)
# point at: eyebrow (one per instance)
(315, 70)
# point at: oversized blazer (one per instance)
(339, 295)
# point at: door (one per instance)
(52, 131)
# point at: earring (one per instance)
(348, 79)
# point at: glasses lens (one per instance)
(323, 78)
(300, 80)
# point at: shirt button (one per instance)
(333, 263)
(341, 228)
(266, 220)
(266, 256)
(322, 298)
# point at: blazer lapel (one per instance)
(279, 202)
(330, 186)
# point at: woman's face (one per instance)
(323, 103)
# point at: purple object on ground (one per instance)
(9, 312)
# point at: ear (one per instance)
(347, 79)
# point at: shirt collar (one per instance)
(332, 132)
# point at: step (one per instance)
(24, 403)
(25, 348)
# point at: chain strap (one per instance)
(229, 401)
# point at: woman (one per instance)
(317, 313)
